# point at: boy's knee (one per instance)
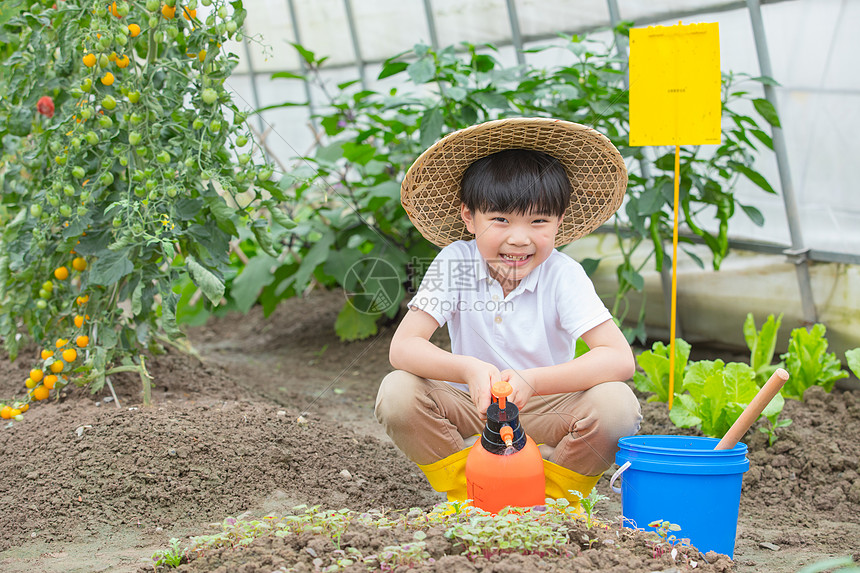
(617, 410)
(397, 398)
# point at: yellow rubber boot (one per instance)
(560, 480)
(448, 475)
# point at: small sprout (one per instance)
(171, 557)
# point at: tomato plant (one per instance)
(120, 178)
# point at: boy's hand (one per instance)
(480, 379)
(523, 384)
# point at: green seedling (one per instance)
(408, 554)
(588, 504)
(770, 430)
(485, 535)
(171, 557)
(668, 540)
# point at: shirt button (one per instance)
(495, 297)
(498, 319)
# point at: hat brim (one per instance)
(430, 192)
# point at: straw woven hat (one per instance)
(430, 192)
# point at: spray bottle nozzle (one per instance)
(507, 435)
(501, 390)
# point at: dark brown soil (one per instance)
(89, 487)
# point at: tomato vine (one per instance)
(120, 177)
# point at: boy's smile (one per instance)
(513, 244)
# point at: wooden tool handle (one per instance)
(751, 412)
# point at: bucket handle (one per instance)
(617, 475)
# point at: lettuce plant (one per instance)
(716, 394)
(654, 377)
(762, 344)
(809, 363)
(852, 357)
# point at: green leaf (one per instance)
(752, 175)
(422, 71)
(655, 364)
(762, 344)
(431, 127)
(306, 54)
(387, 189)
(483, 63)
(211, 285)
(359, 153)
(808, 362)
(281, 218)
(853, 359)
(754, 215)
(774, 407)
(636, 280)
(765, 80)
(665, 162)
(738, 383)
(256, 275)
(456, 93)
(110, 267)
(264, 238)
(330, 153)
(767, 111)
(763, 137)
(684, 412)
(316, 256)
(169, 302)
(225, 217)
(354, 325)
(136, 299)
(93, 243)
(391, 68)
(288, 75)
(650, 201)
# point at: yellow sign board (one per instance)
(675, 85)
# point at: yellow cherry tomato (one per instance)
(50, 381)
(40, 393)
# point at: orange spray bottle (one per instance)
(506, 467)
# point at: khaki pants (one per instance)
(428, 421)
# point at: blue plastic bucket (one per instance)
(683, 480)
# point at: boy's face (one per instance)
(512, 244)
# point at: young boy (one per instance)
(500, 197)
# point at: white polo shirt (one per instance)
(536, 325)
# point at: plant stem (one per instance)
(144, 379)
